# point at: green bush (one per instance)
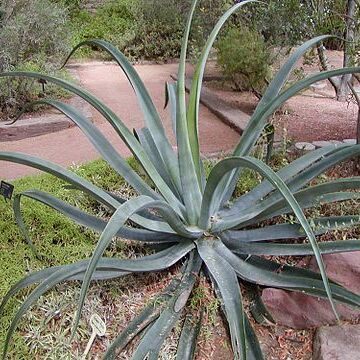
(111, 22)
(277, 23)
(159, 25)
(243, 57)
(158, 29)
(143, 29)
(34, 36)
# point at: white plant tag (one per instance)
(98, 328)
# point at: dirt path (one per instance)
(312, 115)
(106, 81)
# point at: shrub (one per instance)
(276, 21)
(111, 21)
(159, 24)
(243, 57)
(34, 36)
(143, 29)
(157, 31)
(194, 218)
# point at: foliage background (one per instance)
(37, 34)
(34, 37)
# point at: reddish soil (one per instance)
(314, 114)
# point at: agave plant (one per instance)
(195, 218)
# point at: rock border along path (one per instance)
(308, 146)
(49, 122)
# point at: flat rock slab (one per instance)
(337, 343)
(49, 122)
(321, 144)
(34, 126)
(301, 311)
(304, 146)
(350, 141)
(227, 113)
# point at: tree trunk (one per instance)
(341, 84)
(357, 160)
(357, 100)
(344, 90)
(324, 64)
(358, 129)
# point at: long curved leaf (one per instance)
(271, 93)
(125, 134)
(100, 195)
(117, 221)
(286, 173)
(262, 213)
(102, 145)
(288, 231)
(331, 247)
(253, 350)
(294, 183)
(227, 165)
(117, 267)
(299, 279)
(47, 284)
(189, 169)
(149, 146)
(106, 268)
(171, 101)
(80, 183)
(147, 316)
(268, 273)
(195, 91)
(152, 341)
(227, 283)
(258, 121)
(283, 74)
(187, 342)
(151, 116)
(87, 220)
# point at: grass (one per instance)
(45, 329)
(58, 239)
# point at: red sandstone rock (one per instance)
(299, 311)
(337, 343)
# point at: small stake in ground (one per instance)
(98, 328)
(6, 190)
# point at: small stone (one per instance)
(337, 343)
(304, 146)
(321, 144)
(350, 141)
